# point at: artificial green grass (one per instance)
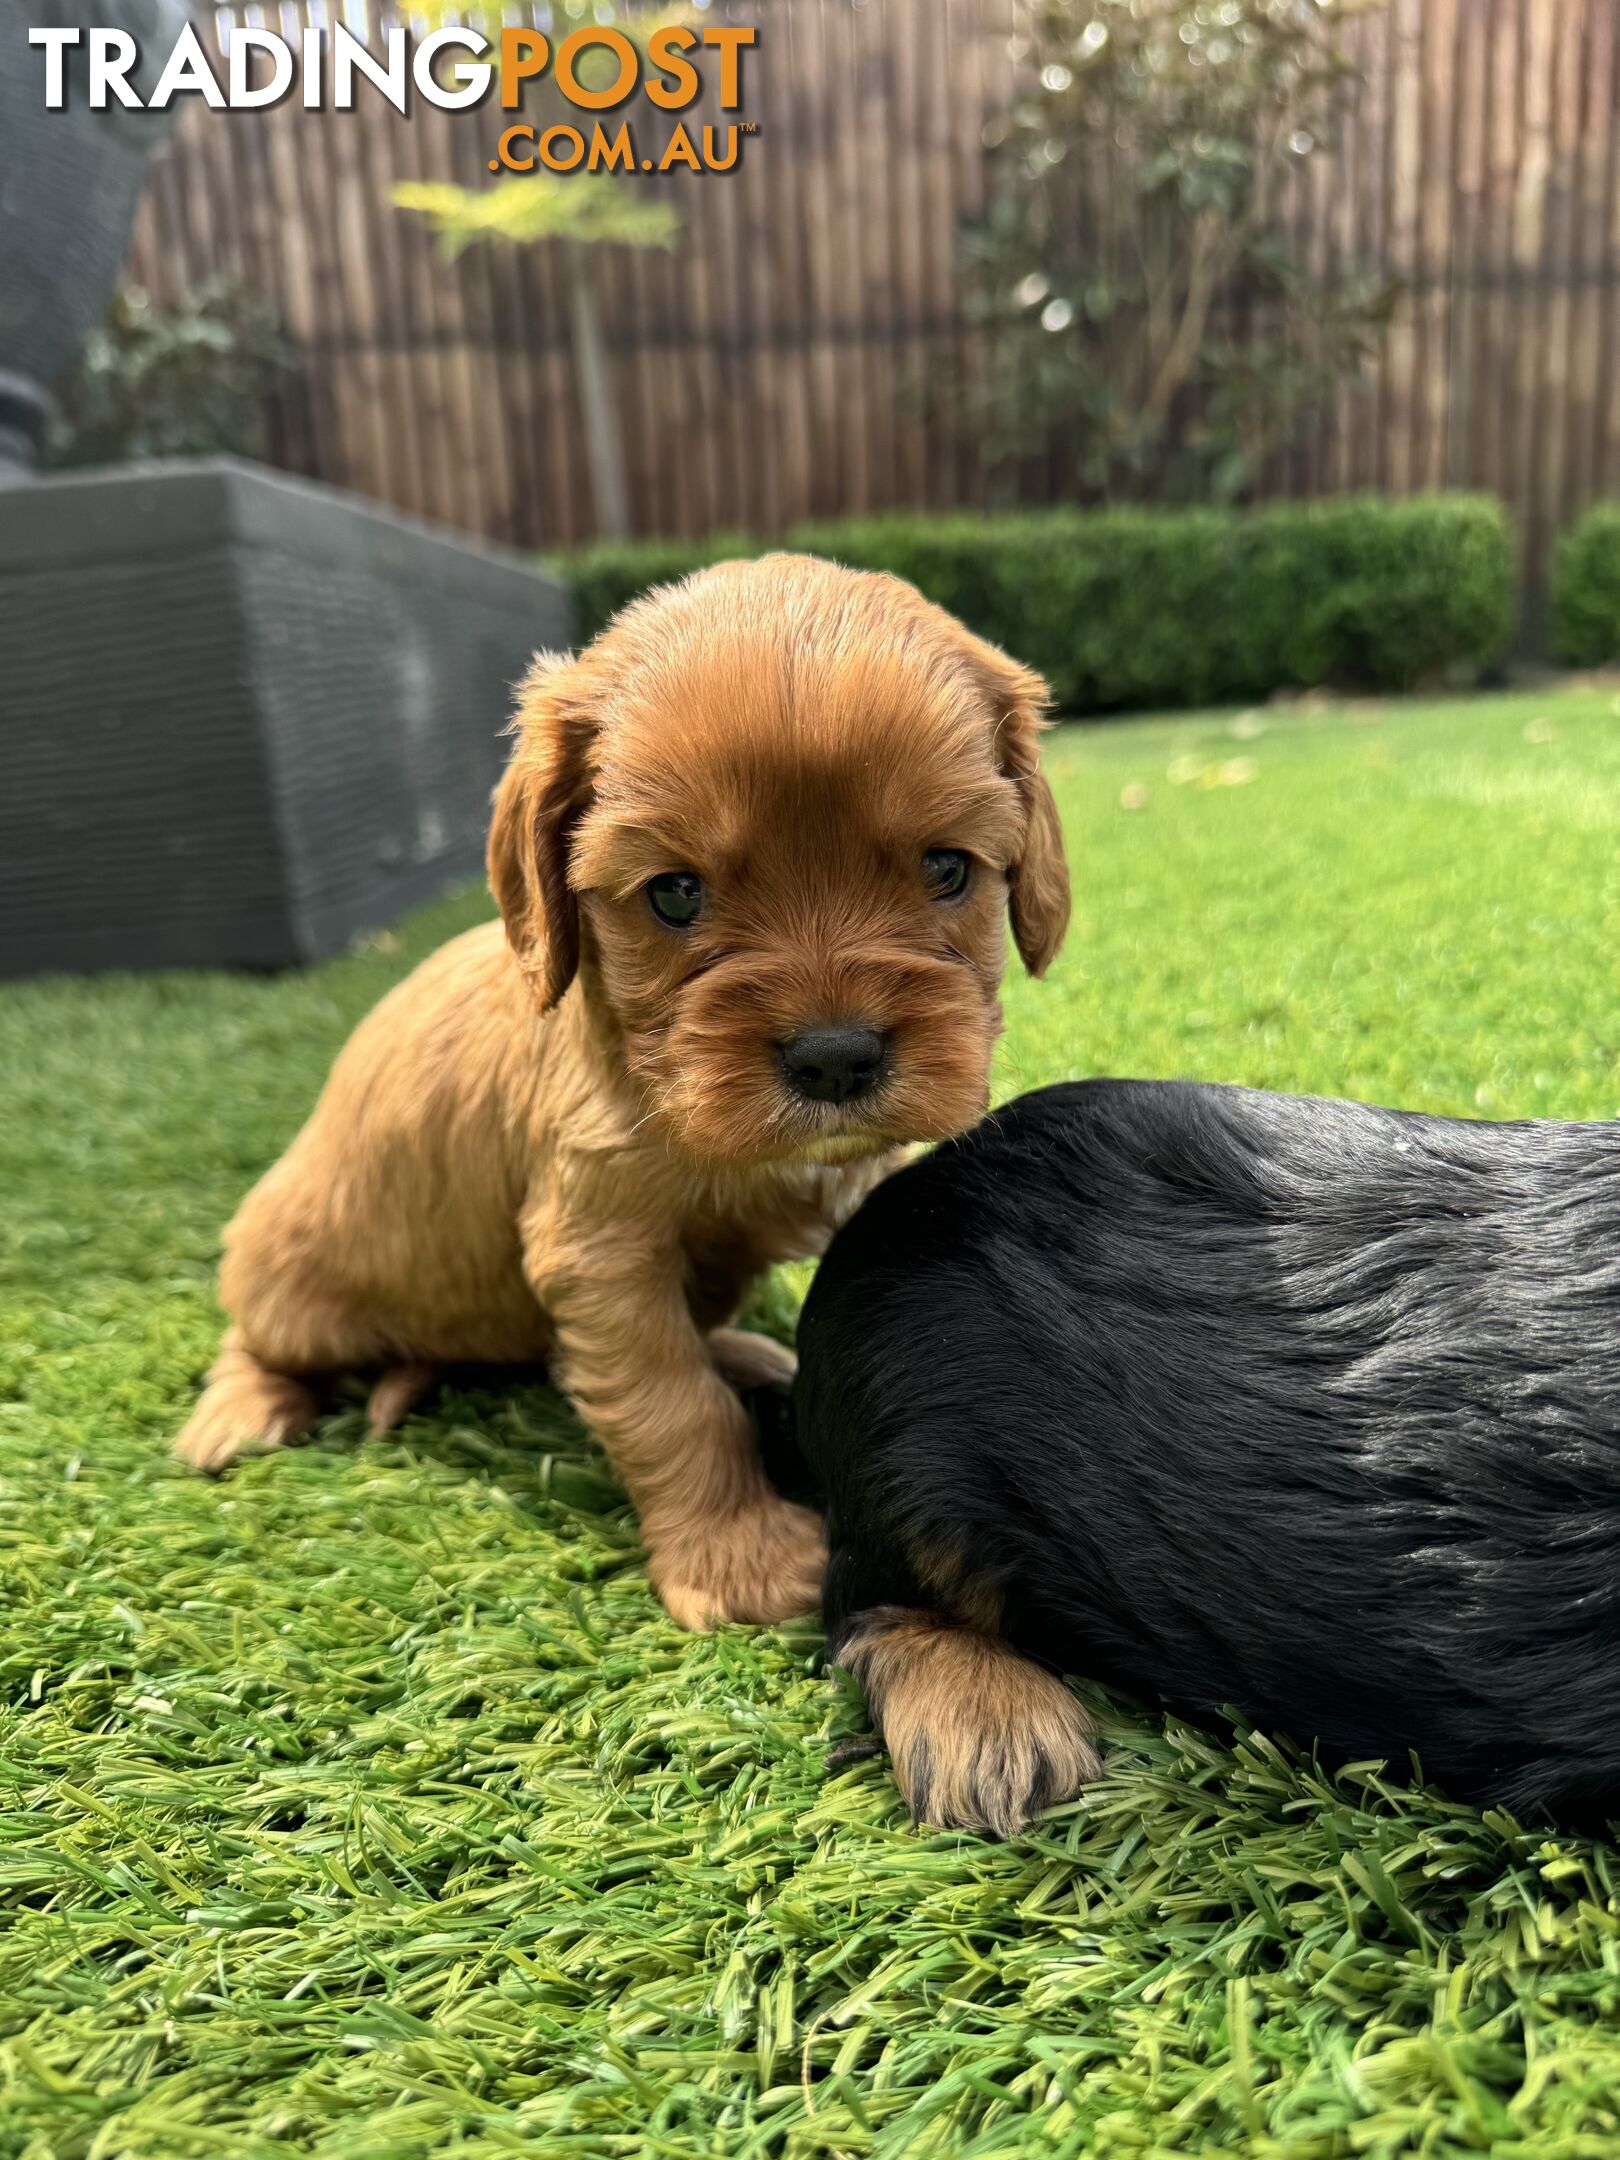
(365, 1804)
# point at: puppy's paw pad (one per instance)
(748, 1360)
(763, 1563)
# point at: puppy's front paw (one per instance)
(980, 1738)
(972, 1774)
(762, 1562)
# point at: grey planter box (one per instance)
(243, 719)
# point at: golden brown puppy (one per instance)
(752, 855)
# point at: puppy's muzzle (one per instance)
(834, 1064)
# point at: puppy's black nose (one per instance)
(834, 1064)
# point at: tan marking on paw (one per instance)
(980, 1737)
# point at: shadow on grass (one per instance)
(508, 1425)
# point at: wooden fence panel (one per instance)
(778, 363)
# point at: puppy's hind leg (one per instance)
(245, 1409)
(397, 1392)
(980, 1737)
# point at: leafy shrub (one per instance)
(1144, 165)
(1586, 589)
(183, 381)
(1142, 608)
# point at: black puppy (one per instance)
(1302, 1407)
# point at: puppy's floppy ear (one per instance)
(1038, 899)
(541, 796)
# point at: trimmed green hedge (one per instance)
(1586, 589)
(1134, 608)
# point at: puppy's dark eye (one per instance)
(946, 871)
(676, 898)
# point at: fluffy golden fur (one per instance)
(567, 1137)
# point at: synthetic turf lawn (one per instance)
(365, 1804)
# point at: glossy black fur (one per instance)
(1306, 1408)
